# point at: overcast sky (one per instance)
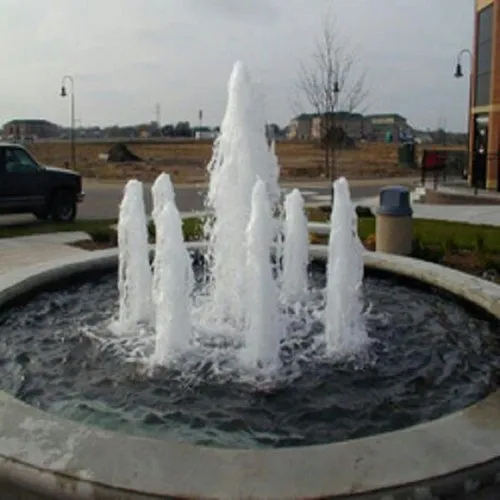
(127, 55)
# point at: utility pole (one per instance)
(158, 115)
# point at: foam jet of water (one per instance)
(344, 324)
(263, 335)
(134, 275)
(163, 193)
(296, 249)
(173, 326)
(241, 155)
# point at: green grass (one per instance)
(432, 232)
(457, 235)
(192, 227)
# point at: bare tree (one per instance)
(331, 81)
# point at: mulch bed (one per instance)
(92, 245)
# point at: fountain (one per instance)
(296, 249)
(172, 287)
(134, 272)
(163, 193)
(345, 329)
(241, 155)
(261, 299)
(265, 342)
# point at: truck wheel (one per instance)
(63, 206)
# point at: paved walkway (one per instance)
(32, 250)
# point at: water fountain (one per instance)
(172, 287)
(134, 271)
(345, 328)
(241, 155)
(271, 346)
(296, 249)
(261, 298)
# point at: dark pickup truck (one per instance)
(28, 187)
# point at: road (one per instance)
(103, 198)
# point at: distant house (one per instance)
(355, 125)
(377, 127)
(351, 123)
(300, 127)
(21, 129)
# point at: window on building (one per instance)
(483, 60)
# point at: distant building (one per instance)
(484, 114)
(355, 125)
(300, 127)
(379, 126)
(21, 129)
(351, 123)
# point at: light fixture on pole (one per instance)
(333, 137)
(64, 93)
(459, 74)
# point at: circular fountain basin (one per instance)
(52, 456)
(428, 356)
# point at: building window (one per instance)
(483, 59)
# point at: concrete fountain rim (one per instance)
(57, 457)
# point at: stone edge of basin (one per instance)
(41, 454)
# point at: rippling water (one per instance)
(429, 357)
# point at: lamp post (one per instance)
(336, 90)
(72, 116)
(459, 74)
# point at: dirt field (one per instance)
(186, 161)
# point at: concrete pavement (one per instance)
(36, 249)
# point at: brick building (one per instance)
(378, 126)
(484, 122)
(351, 123)
(21, 129)
(355, 125)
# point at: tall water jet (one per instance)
(262, 325)
(296, 249)
(173, 327)
(163, 193)
(134, 274)
(241, 154)
(344, 324)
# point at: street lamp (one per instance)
(459, 74)
(336, 90)
(72, 117)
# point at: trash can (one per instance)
(406, 155)
(394, 224)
